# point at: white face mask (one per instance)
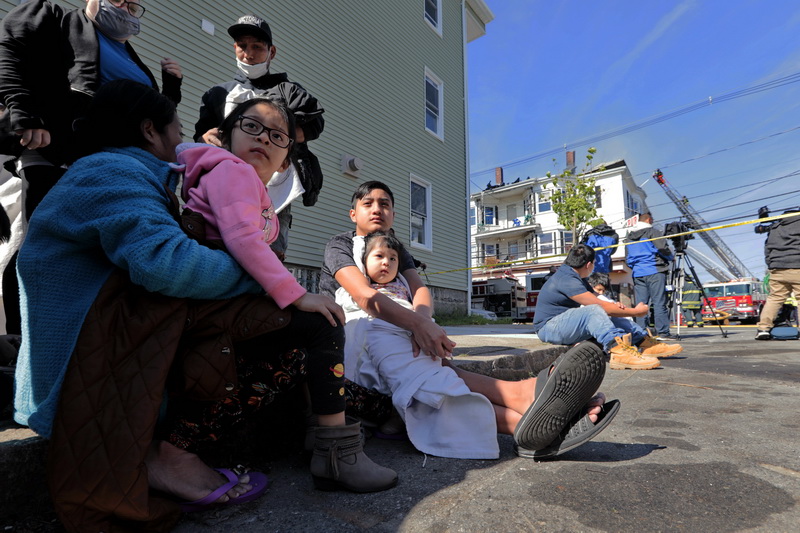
(253, 72)
(116, 23)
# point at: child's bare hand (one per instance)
(212, 137)
(319, 303)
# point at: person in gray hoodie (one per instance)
(782, 254)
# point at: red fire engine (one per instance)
(741, 299)
(506, 297)
(533, 285)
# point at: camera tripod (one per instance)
(678, 277)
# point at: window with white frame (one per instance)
(472, 215)
(433, 10)
(433, 104)
(513, 251)
(527, 205)
(631, 205)
(566, 241)
(546, 244)
(543, 202)
(529, 247)
(420, 213)
(489, 215)
(511, 213)
(490, 250)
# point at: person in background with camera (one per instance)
(650, 262)
(782, 254)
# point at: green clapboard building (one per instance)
(391, 77)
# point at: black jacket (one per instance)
(306, 109)
(782, 248)
(49, 70)
(307, 114)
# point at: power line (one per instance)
(717, 152)
(758, 183)
(698, 157)
(772, 84)
(751, 201)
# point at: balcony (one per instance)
(508, 228)
(494, 263)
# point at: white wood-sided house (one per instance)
(514, 230)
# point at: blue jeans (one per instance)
(590, 322)
(652, 290)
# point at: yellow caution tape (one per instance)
(672, 236)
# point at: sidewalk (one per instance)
(501, 351)
(706, 443)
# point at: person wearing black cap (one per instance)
(254, 52)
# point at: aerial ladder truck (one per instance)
(737, 297)
(695, 221)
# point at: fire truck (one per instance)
(533, 285)
(741, 299)
(504, 296)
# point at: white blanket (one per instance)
(443, 417)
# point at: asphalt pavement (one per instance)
(708, 442)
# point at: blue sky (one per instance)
(549, 73)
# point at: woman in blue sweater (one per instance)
(121, 308)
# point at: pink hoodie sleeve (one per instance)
(237, 197)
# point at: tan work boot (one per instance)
(653, 347)
(339, 462)
(626, 356)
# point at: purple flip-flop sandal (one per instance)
(258, 480)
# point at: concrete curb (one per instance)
(512, 367)
(23, 453)
(22, 468)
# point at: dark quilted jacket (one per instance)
(114, 387)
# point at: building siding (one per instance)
(365, 61)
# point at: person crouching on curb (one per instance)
(560, 319)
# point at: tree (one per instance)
(574, 198)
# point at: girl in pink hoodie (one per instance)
(227, 186)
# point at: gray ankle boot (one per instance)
(339, 462)
(312, 423)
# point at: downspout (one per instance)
(466, 153)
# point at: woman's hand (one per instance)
(171, 66)
(319, 303)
